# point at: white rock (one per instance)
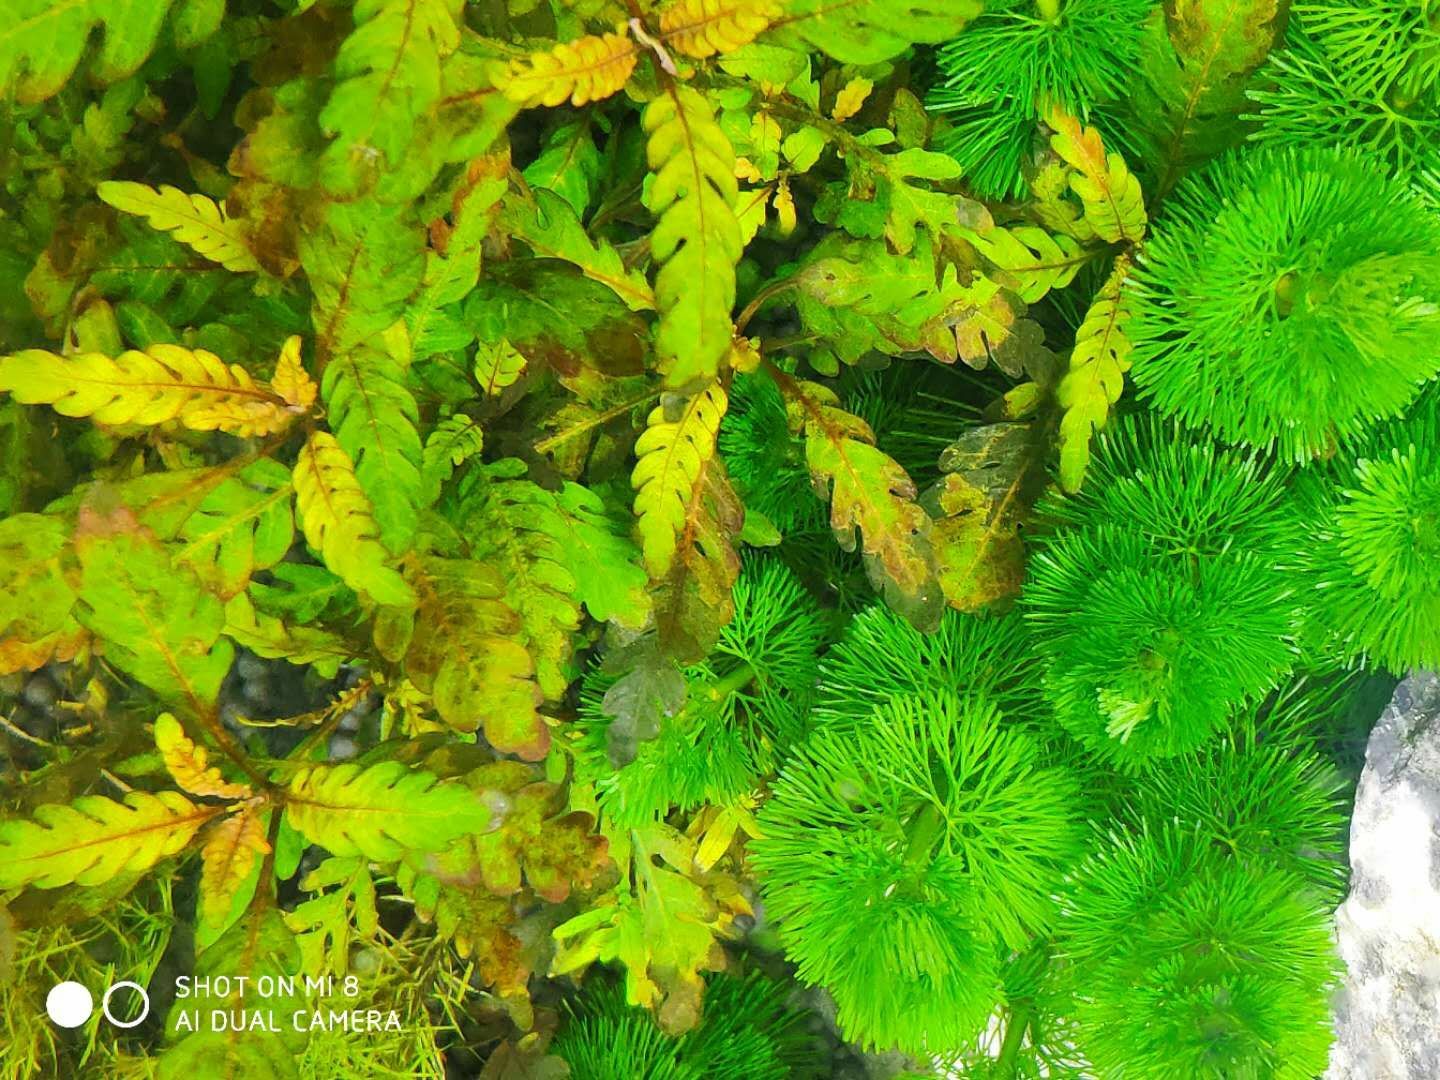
(1387, 1016)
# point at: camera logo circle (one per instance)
(144, 997)
(69, 1004)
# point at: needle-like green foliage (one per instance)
(901, 856)
(1190, 961)
(1160, 599)
(881, 656)
(1016, 58)
(1289, 299)
(748, 1033)
(734, 712)
(1360, 74)
(1376, 555)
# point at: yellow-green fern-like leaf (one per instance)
(164, 383)
(189, 763)
(339, 522)
(696, 240)
(227, 858)
(1035, 260)
(1110, 192)
(194, 220)
(497, 366)
(381, 811)
(868, 491)
(95, 839)
(671, 457)
(702, 28)
(1096, 377)
(581, 71)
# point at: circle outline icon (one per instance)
(105, 1004)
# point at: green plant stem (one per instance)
(1020, 1015)
(1049, 9)
(726, 685)
(922, 832)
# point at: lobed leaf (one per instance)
(161, 384)
(588, 69)
(194, 220)
(670, 459)
(1114, 204)
(94, 839)
(189, 763)
(229, 855)
(873, 31)
(339, 521)
(1096, 377)
(42, 41)
(696, 240)
(381, 811)
(702, 28)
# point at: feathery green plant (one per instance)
(901, 856)
(1376, 555)
(1014, 60)
(1290, 299)
(1192, 961)
(1160, 600)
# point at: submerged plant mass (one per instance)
(704, 539)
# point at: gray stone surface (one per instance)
(1387, 1016)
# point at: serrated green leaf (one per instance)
(95, 839)
(381, 811)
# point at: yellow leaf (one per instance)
(194, 220)
(339, 521)
(671, 455)
(696, 241)
(166, 382)
(189, 763)
(851, 96)
(228, 857)
(784, 203)
(291, 381)
(702, 28)
(1114, 204)
(1096, 377)
(585, 70)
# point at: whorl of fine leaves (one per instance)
(1376, 555)
(696, 240)
(194, 220)
(163, 383)
(1290, 298)
(381, 811)
(1186, 957)
(949, 840)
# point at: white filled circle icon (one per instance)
(69, 1004)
